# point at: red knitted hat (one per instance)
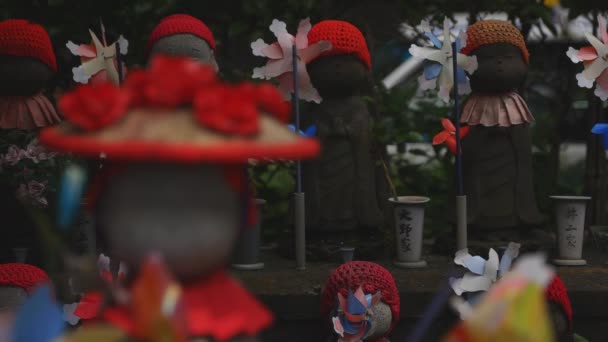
(181, 23)
(371, 277)
(345, 38)
(25, 276)
(556, 292)
(25, 39)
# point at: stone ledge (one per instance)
(295, 295)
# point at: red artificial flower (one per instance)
(448, 135)
(223, 109)
(173, 81)
(135, 83)
(93, 107)
(271, 100)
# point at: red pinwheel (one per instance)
(448, 135)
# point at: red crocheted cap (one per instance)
(371, 277)
(25, 276)
(557, 293)
(181, 23)
(345, 38)
(25, 39)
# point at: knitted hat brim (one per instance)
(176, 137)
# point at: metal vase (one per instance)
(408, 213)
(247, 251)
(570, 223)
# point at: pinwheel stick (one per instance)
(461, 199)
(299, 207)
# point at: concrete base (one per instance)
(566, 262)
(248, 267)
(411, 264)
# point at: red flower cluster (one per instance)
(171, 82)
(92, 107)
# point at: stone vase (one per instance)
(570, 223)
(408, 212)
(247, 251)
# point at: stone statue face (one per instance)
(185, 45)
(188, 213)
(501, 69)
(339, 76)
(23, 76)
(381, 322)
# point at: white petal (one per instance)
(68, 313)
(444, 94)
(103, 263)
(425, 26)
(278, 27)
(491, 266)
(258, 46)
(80, 76)
(601, 93)
(572, 53)
(468, 63)
(455, 284)
(302, 33)
(461, 256)
(73, 48)
(533, 267)
(473, 283)
(427, 84)
(583, 82)
(429, 53)
(123, 45)
(462, 36)
(259, 73)
(507, 258)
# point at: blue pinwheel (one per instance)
(311, 131)
(438, 62)
(39, 319)
(601, 128)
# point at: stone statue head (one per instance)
(182, 211)
(27, 59)
(501, 53)
(344, 70)
(185, 36)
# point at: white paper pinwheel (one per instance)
(99, 61)
(482, 273)
(595, 61)
(438, 64)
(280, 59)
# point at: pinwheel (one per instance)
(40, 318)
(514, 309)
(482, 274)
(280, 63)
(287, 59)
(601, 128)
(354, 312)
(99, 60)
(309, 132)
(438, 66)
(448, 135)
(595, 61)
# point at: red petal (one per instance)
(451, 142)
(587, 53)
(440, 137)
(447, 124)
(464, 131)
